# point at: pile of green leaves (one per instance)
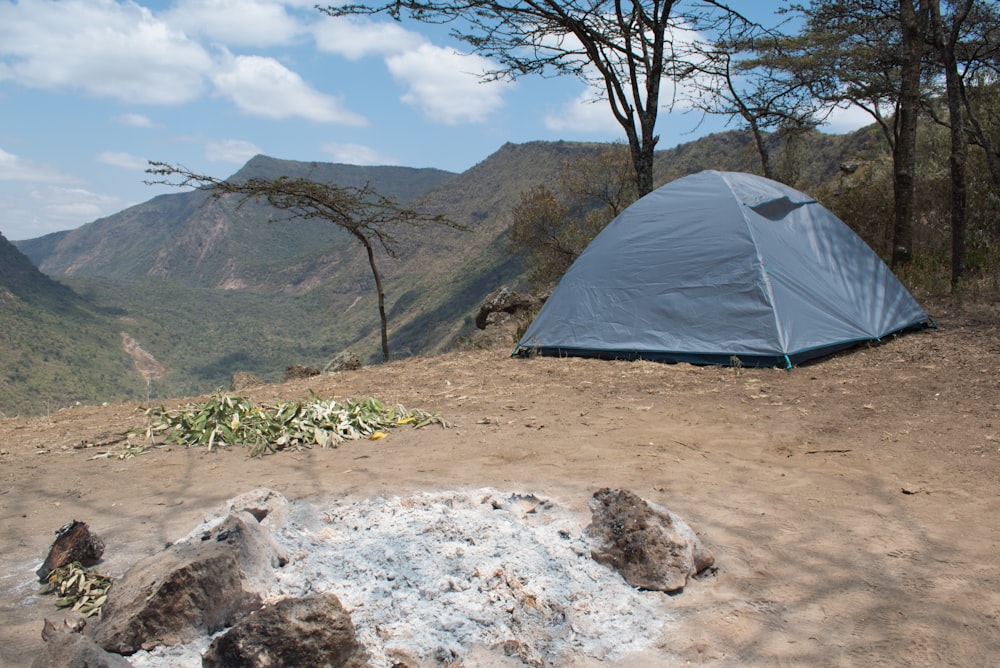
(79, 588)
(233, 420)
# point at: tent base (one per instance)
(707, 359)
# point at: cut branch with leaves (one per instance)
(362, 212)
(229, 420)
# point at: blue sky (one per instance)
(92, 89)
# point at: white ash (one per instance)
(429, 577)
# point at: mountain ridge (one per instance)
(197, 240)
(209, 288)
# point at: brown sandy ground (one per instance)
(852, 504)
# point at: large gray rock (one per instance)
(504, 301)
(651, 547)
(310, 631)
(194, 587)
(502, 317)
(269, 507)
(67, 647)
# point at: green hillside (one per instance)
(56, 349)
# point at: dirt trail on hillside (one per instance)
(851, 504)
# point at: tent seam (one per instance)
(763, 267)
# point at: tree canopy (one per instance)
(892, 58)
(626, 49)
(729, 77)
(551, 227)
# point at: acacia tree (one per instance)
(599, 180)
(978, 52)
(540, 235)
(362, 212)
(981, 108)
(945, 36)
(869, 54)
(732, 81)
(913, 23)
(624, 48)
(965, 36)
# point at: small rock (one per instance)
(67, 647)
(297, 371)
(651, 547)
(310, 631)
(344, 361)
(243, 380)
(74, 542)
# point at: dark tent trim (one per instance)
(714, 359)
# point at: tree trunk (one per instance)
(765, 155)
(905, 149)
(642, 148)
(992, 159)
(945, 43)
(383, 319)
(644, 171)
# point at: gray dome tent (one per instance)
(718, 266)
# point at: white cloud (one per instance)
(48, 208)
(356, 38)
(445, 86)
(134, 120)
(231, 150)
(443, 83)
(109, 49)
(356, 154)
(71, 205)
(588, 113)
(847, 119)
(259, 23)
(14, 168)
(121, 159)
(264, 87)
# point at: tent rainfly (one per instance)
(722, 268)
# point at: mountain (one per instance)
(209, 288)
(20, 280)
(194, 240)
(56, 348)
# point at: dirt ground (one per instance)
(851, 504)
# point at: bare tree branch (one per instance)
(624, 48)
